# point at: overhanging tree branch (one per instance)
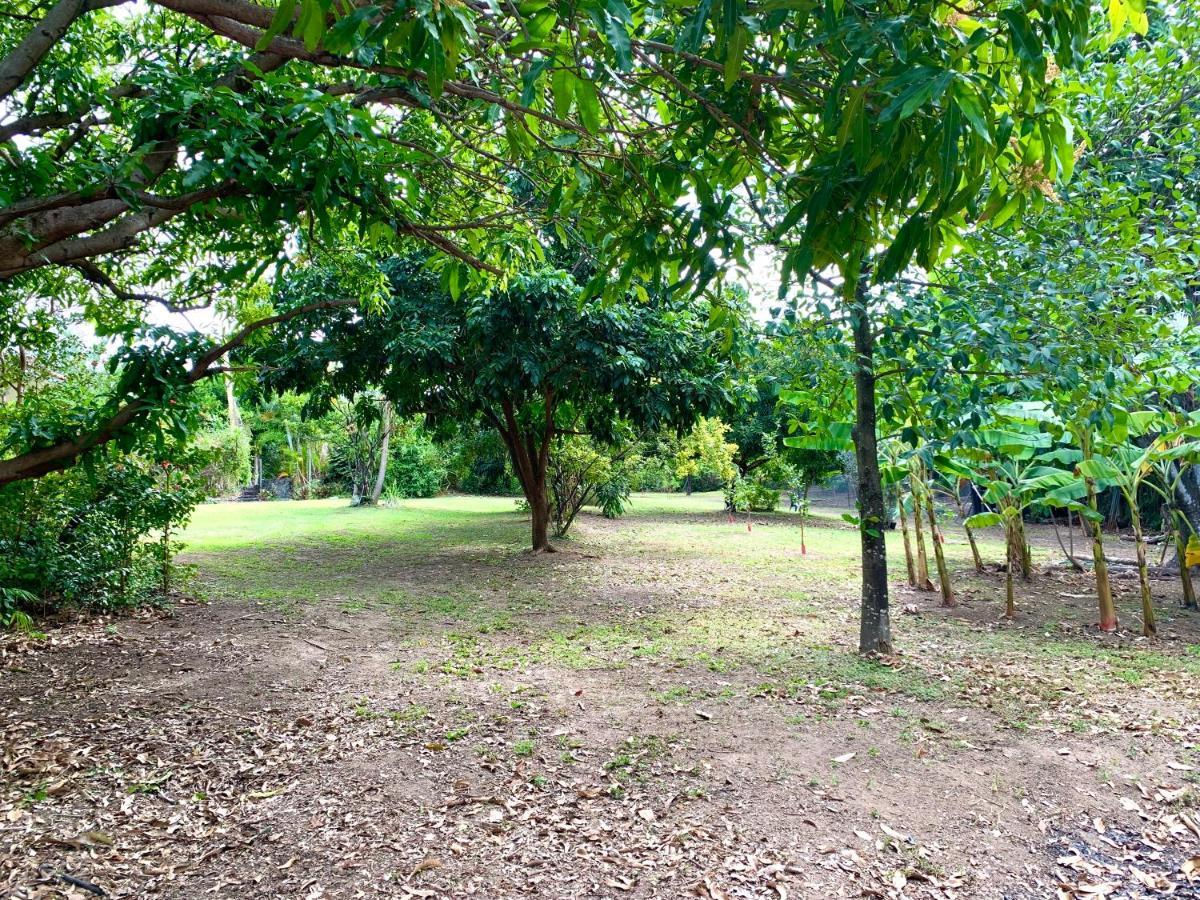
(64, 453)
(24, 57)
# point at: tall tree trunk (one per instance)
(939, 555)
(1187, 497)
(539, 514)
(384, 452)
(902, 516)
(875, 629)
(530, 463)
(1149, 624)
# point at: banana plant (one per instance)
(1117, 461)
(1080, 429)
(1170, 464)
(1016, 470)
(1127, 468)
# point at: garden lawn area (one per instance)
(401, 702)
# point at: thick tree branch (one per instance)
(24, 57)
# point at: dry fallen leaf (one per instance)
(429, 862)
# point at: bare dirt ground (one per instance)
(665, 709)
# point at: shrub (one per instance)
(754, 494)
(417, 467)
(478, 464)
(98, 535)
(584, 472)
(654, 473)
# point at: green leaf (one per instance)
(562, 87)
(282, 18)
(437, 69)
(589, 104)
(734, 53)
(984, 520)
(616, 17)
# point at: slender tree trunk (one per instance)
(803, 516)
(1068, 553)
(923, 582)
(1108, 612)
(875, 630)
(235, 415)
(1010, 598)
(974, 548)
(1149, 624)
(939, 556)
(902, 516)
(384, 452)
(165, 561)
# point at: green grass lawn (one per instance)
(674, 580)
(309, 550)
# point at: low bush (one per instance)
(97, 536)
(417, 467)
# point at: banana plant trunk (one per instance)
(1149, 624)
(923, 582)
(1026, 552)
(939, 555)
(1108, 611)
(1104, 597)
(902, 516)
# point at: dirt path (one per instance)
(677, 730)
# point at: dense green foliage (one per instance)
(101, 537)
(533, 361)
